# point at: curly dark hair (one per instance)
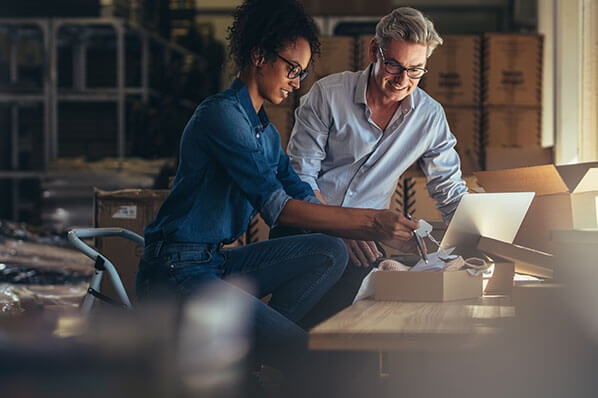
(269, 25)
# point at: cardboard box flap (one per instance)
(527, 261)
(589, 182)
(572, 174)
(136, 194)
(542, 180)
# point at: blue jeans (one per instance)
(296, 270)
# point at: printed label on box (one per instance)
(128, 212)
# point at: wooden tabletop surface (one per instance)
(390, 325)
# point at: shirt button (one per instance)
(257, 135)
(350, 193)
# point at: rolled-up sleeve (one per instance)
(232, 141)
(293, 185)
(442, 167)
(307, 145)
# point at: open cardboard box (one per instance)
(444, 286)
(566, 197)
(426, 286)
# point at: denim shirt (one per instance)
(338, 149)
(231, 166)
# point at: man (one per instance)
(356, 133)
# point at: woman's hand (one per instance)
(390, 225)
(405, 246)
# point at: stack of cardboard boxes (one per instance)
(363, 51)
(282, 116)
(337, 54)
(454, 81)
(490, 88)
(347, 7)
(512, 99)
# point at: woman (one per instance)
(232, 166)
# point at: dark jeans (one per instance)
(296, 270)
(338, 297)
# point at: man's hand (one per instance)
(362, 253)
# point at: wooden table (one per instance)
(392, 326)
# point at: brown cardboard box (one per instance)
(424, 207)
(258, 230)
(363, 51)
(512, 72)
(510, 126)
(498, 158)
(501, 281)
(412, 196)
(454, 71)
(536, 300)
(131, 209)
(282, 117)
(426, 286)
(347, 7)
(565, 198)
(337, 54)
(464, 123)
(526, 261)
(575, 256)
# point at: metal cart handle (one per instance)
(102, 263)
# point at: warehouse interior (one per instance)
(94, 97)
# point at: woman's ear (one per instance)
(257, 57)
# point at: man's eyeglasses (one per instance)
(395, 68)
(295, 71)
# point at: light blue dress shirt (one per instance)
(337, 148)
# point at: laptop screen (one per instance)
(494, 215)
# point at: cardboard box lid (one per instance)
(501, 158)
(132, 194)
(589, 176)
(527, 261)
(543, 180)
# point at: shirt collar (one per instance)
(257, 119)
(362, 85)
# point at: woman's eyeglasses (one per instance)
(296, 70)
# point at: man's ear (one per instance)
(373, 50)
(257, 57)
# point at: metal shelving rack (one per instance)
(50, 94)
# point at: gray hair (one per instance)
(407, 24)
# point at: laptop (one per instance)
(494, 215)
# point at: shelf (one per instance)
(22, 97)
(20, 175)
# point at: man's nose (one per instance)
(402, 78)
